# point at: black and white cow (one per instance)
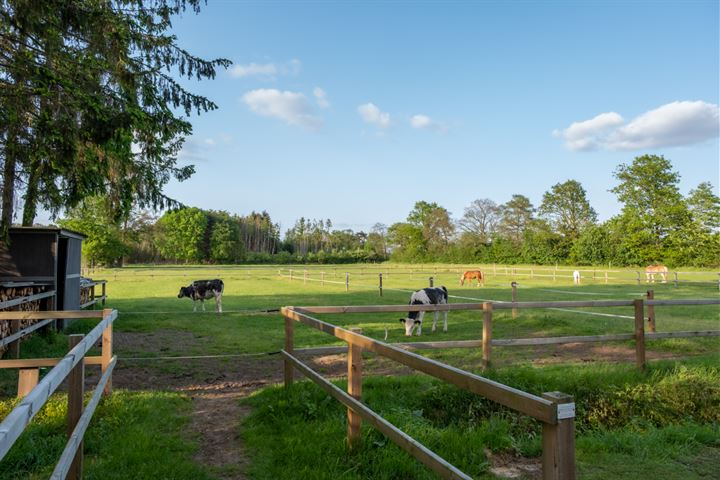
(204, 290)
(426, 296)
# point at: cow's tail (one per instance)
(445, 293)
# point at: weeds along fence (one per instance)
(72, 367)
(555, 410)
(342, 276)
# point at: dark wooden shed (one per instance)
(44, 256)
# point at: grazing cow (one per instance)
(472, 275)
(576, 277)
(204, 290)
(652, 270)
(426, 296)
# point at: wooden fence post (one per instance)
(638, 277)
(322, 278)
(514, 298)
(487, 334)
(558, 454)
(606, 277)
(651, 311)
(676, 279)
(431, 281)
(104, 294)
(354, 388)
(289, 347)
(304, 276)
(107, 350)
(639, 334)
(291, 275)
(27, 380)
(347, 282)
(380, 283)
(76, 392)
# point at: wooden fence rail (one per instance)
(639, 334)
(557, 411)
(71, 366)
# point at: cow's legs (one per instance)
(445, 321)
(202, 302)
(419, 323)
(194, 306)
(218, 303)
(435, 321)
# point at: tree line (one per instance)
(656, 225)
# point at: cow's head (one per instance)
(185, 292)
(410, 324)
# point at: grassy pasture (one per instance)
(146, 298)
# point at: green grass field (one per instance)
(151, 314)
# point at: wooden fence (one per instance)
(555, 410)
(91, 298)
(639, 333)
(596, 276)
(72, 367)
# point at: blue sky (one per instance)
(355, 111)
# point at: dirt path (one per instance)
(217, 385)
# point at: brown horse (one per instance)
(472, 274)
(652, 270)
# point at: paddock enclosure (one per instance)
(162, 346)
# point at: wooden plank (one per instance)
(558, 456)
(651, 312)
(463, 306)
(429, 458)
(76, 394)
(332, 350)
(70, 314)
(24, 331)
(75, 441)
(15, 422)
(487, 334)
(289, 347)
(515, 342)
(389, 308)
(639, 334)
(354, 389)
(564, 304)
(702, 301)
(30, 298)
(93, 302)
(705, 333)
(523, 402)
(107, 350)
(44, 362)
(27, 380)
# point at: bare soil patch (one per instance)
(216, 386)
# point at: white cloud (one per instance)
(291, 107)
(672, 124)
(266, 70)
(321, 97)
(424, 122)
(372, 114)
